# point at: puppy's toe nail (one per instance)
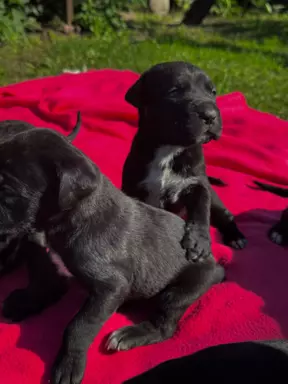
(112, 343)
(192, 255)
(279, 239)
(242, 243)
(276, 238)
(234, 244)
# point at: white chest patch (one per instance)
(161, 176)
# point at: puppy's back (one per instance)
(10, 128)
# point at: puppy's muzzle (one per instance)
(208, 137)
(208, 112)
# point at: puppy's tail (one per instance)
(76, 129)
(216, 181)
(279, 191)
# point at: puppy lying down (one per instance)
(118, 248)
(165, 167)
(13, 250)
(279, 232)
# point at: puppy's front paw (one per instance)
(69, 368)
(233, 237)
(133, 336)
(197, 244)
(123, 339)
(18, 306)
(279, 234)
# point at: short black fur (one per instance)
(165, 167)
(14, 250)
(118, 248)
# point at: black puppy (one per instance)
(119, 248)
(247, 362)
(279, 232)
(165, 166)
(13, 251)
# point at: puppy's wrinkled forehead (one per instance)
(173, 80)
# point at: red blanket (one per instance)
(252, 304)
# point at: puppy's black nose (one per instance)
(208, 115)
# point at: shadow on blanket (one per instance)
(248, 362)
(263, 267)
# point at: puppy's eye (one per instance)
(210, 88)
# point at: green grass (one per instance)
(248, 55)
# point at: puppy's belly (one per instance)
(56, 260)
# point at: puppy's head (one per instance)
(177, 104)
(41, 175)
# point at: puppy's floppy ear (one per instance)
(76, 182)
(134, 94)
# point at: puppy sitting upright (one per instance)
(177, 114)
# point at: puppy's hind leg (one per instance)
(171, 304)
(224, 221)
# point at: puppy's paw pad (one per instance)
(197, 245)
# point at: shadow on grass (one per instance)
(257, 29)
(281, 57)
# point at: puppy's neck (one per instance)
(148, 142)
(146, 136)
